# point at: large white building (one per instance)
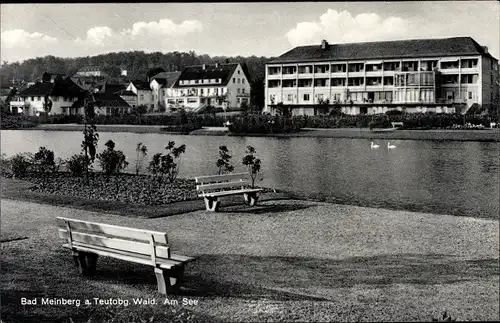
(439, 75)
(219, 85)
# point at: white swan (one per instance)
(374, 146)
(389, 146)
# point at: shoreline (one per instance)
(486, 135)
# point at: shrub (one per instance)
(44, 160)
(252, 163)
(21, 164)
(76, 164)
(5, 166)
(223, 163)
(165, 166)
(394, 112)
(264, 124)
(112, 161)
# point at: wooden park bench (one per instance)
(88, 240)
(215, 186)
(397, 124)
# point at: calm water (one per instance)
(459, 178)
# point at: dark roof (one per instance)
(110, 100)
(63, 87)
(111, 87)
(196, 72)
(141, 85)
(125, 93)
(384, 50)
(166, 79)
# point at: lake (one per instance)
(450, 177)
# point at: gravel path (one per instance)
(298, 260)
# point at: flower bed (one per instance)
(128, 188)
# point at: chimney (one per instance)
(204, 66)
(324, 44)
(485, 48)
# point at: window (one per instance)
(192, 100)
(238, 91)
(56, 99)
(449, 95)
(171, 101)
(306, 97)
(238, 81)
(141, 97)
(336, 97)
(470, 95)
(239, 100)
(196, 82)
(238, 71)
(39, 98)
(201, 91)
(243, 91)
(234, 80)
(289, 97)
(243, 81)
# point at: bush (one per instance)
(112, 161)
(76, 164)
(394, 112)
(21, 164)
(165, 166)
(264, 124)
(44, 160)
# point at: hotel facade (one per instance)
(439, 75)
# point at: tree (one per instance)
(153, 71)
(90, 135)
(223, 163)
(141, 151)
(253, 164)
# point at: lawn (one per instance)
(285, 260)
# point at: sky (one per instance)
(231, 29)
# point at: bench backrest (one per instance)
(84, 233)
(217, 182)
(394, 124)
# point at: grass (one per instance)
(281, 261)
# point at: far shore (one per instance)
(485, 135)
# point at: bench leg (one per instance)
(80, 262)
(85, 262)
(169, 281)
(250, 198)
(91, 263)
(212, 204)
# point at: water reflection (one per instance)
(459, 178)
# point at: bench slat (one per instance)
(113, 230)
(220, 178)
(233, 192)
(123, 255)
(216, 186)
(114, 243)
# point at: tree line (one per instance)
(137, 64)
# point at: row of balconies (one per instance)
(366, 73)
